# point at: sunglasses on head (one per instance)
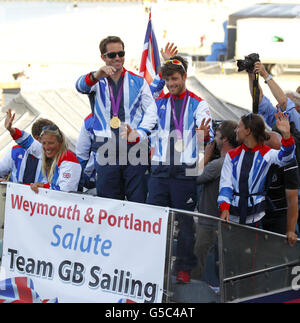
(175, 62)
(249, 116)
(52, 128)
(121, 53)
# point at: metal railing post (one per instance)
(169, 253)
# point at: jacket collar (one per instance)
(180, 97)
(252, 150)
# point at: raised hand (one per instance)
(9, 121)
(283, 124)
(203, 130)
(169, 51)
(260, 69)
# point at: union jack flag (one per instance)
(125, 300)
(150, 62)
(20, 290)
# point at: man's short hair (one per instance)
(107, 40)
(274, 141)
(170, 68)
(38, 125)
(294, 96)
(227, 130)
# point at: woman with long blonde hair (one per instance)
(54, 149)
(60, 167)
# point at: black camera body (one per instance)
(216, 153)
(248, 63)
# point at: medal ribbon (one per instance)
(115, 105)
(179, 126)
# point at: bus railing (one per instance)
(236, 263)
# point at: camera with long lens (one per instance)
(248, 63)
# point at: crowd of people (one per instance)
(142, 144)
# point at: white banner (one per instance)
(81, 248)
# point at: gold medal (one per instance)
(115, 122)
(179, 145)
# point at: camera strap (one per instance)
(256, 93)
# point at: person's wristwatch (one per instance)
(268, 78)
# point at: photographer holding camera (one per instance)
(248, 65)
(265, 107)
(285, 177)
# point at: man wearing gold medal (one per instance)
(117, 97)
(181, 116)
